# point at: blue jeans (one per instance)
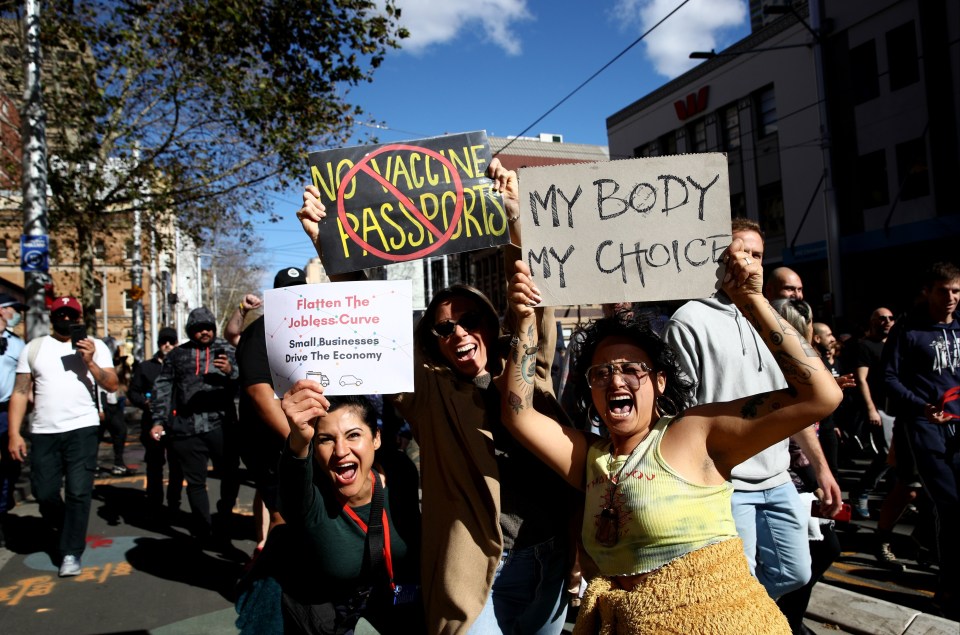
(67, 459)
(527, 594)
(773, 526)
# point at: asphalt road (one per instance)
(142, 574)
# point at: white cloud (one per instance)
(439, 21)
(698, 26)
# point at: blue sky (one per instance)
(498, 65)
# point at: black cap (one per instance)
(8, 300)
(289, 277)
(167, 334)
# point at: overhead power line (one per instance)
(592, 77)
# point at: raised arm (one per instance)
(310, 215)
(562, 448)
(737, 430)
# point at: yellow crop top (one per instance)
(662, 516)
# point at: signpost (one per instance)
(34, 253)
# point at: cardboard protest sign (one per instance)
(624, 231)
(405, 201)
(354, 338)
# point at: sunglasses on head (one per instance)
(470, 321)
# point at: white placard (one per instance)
(355, 338)
(624, 231)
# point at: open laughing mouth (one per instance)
(620, 405)
(346, 473)
(466, 352)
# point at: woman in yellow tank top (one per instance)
(657, 519)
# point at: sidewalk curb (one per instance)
(859, 613)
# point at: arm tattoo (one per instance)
(528, 367)
(749, 409)
(22, 384)
(515, 402)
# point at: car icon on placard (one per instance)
(350, 380)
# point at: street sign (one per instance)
(33, 253)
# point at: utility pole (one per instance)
(34, 171)
(136, 274)
(153, 287)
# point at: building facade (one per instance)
(840, 123)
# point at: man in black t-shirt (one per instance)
(263, 426)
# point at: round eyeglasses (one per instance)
(634, 374)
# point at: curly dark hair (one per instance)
(635, 327)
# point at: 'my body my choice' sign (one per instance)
(633, 230)
(405, 201)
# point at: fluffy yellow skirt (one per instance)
(707, 592)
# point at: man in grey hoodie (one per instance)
(193, 406)
(722, 353)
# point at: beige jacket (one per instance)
(462, 541)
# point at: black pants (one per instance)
(155, 454)
(114, 423)
(67, 459)
(822, 554)
(193, 453)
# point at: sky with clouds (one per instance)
(499, 65)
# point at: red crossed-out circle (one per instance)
(442, 237)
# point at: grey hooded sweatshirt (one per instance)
(722, 353)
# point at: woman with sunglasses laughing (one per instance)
(657, 520)
(495, 519)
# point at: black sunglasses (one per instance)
(470, 321)
(168, 341)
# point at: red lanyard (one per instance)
(388, 560)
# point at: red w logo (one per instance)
(695, 104)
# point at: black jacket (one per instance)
(191, 396)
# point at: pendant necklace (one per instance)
(608, 524)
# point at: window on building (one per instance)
(128, 250)
(4, 250)
(730, 127)
(128, 301)
(766, 112)
(871, 177)
(668, 144)
(98, 294)
(100, 250)
(864, 79)
(738, 205)
(647, 150)
(913, 171)
(902, 59)
(770, 198)
(697, 136)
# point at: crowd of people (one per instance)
(688, 472)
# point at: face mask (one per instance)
(13, 321)
(62, 327)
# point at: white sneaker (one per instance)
(70, 566)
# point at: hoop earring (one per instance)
(666, 406)
(593, 416)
